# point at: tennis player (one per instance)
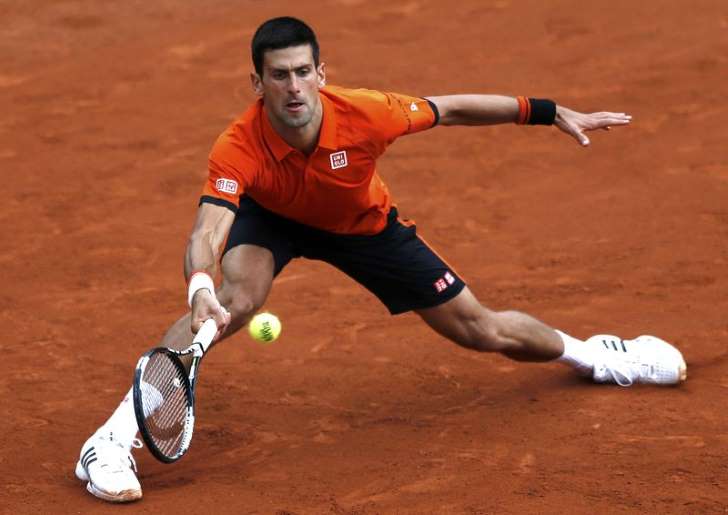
(296, 176)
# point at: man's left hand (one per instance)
(576, 124)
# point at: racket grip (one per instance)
(206, 333)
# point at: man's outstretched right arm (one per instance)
(201, 264)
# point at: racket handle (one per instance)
(206, 333)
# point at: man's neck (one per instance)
(303, 138)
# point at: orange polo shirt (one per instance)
(336, 188)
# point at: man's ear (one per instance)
(257, 82)
(321, 72)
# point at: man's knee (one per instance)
(483, 332)
(242, 305)
(477, 329)
(468, 323)
(243, 299)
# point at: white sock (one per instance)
(122, 425)
(576, 354)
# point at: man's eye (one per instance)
(303, 72)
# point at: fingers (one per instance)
(224, 322)
(579, 136)
(602, 120)
(582, 139)
(573, 130)
(607, 114)
(576, 124)
(204, 307)
(222, 319)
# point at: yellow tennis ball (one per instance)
(264, 327)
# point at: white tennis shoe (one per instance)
(109, 468)
(646, 359)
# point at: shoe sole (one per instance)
(683, 372)
(123, 496)
(682, 375)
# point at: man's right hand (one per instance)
(206, 306)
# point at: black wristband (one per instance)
(543, 111)
(435, 111)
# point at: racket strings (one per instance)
(165, 401)
(165, 404)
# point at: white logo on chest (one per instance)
(338, 160)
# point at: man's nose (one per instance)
(293, 83)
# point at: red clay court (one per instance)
(108, 113)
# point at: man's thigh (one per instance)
(258, 227)
(256, 250)
(247, 272)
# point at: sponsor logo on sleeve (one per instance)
(338, 160)
(228, 186)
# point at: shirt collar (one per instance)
(327, 135)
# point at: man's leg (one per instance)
(247, 280)
(517, 335)
(106, 457)
(607, 358)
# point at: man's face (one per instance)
(290, 84)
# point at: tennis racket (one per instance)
(164, 395)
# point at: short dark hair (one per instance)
(280, 33)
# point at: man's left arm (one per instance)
(496, 109)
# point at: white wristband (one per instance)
(199, 281)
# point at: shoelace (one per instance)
(617, 372)
(621, 372)
(136, 443)
(116, 460)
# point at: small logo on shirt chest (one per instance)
(338, 160)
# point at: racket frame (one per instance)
(199, 347)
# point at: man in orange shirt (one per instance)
(296, 176)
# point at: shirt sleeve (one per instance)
(393, 115)
(230, 172)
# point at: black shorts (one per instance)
(395, 264)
